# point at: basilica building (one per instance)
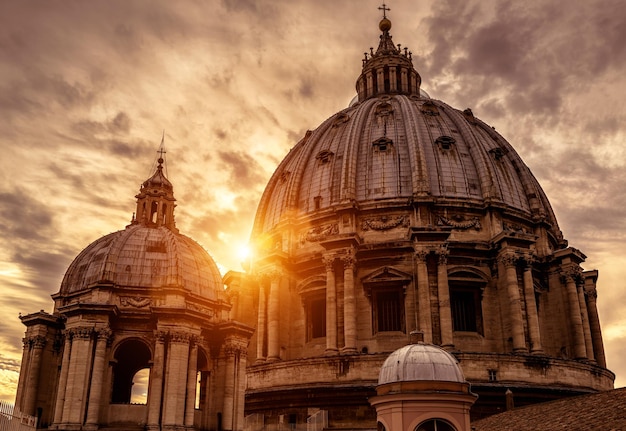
(403, 251)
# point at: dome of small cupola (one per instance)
(420, 362)
(149, 253)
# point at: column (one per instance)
(393, 80)
(370, 84)
(192, 378)
(404, 80)
(423, 296)
(21, 384)
(37, 344)
(261, 322)
(79, 367)
(155, 390)
(273, 311)
(65, 365)
(331, 305)
(349, 304)
(585, 319)
(443, 292)
(570, 276)
(97, 377)
(229, 388)
(240, 394)
(594, 321)
(531, 308)
(509, 260)
(380, 78)
(176, 380)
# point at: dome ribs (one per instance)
(349, 180)
(420, 182)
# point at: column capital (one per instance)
(508, 258)
(35, 342)
(421, 254)
(443, 252)
(83, 332)
(328, 259)
(160, 335)
(571, 273)
(236, 349)
(103, 332)
(180, 337)
(349, 258)
(528, 258)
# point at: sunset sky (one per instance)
(87, 88)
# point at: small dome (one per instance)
(418, 362)
(145, 257)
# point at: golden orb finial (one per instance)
(384, 25)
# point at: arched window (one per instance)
(131, 358)
(435, 425)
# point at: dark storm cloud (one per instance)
(536, 52)
(22, 217)
(43, 265)
(245, 171)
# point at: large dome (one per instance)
(145, 257)
(149, 253)
(397, 148)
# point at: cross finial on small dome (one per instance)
(385, 9)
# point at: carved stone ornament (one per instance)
(82, 332)
(459, 222)
(37, 342)
(429, 108)
(180, 337)
(508, 258)
(136, 301)
(514, 227)
(572, 274)
(204, 310)
(321, 232)
(384, 222)
(340, 119)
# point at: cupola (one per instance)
(155, 201)
(389, 70)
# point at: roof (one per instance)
(420, 362)
(597, 411)
(145, 257)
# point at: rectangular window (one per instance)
(466, 311)
(388, 310)
(316, 318)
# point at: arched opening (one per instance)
(131, 366)
(202, 379)
(139, 388)
(435, 425)
(154, 212)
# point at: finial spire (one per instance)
(385, 9)
(387, 70)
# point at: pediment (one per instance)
(387, 275)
